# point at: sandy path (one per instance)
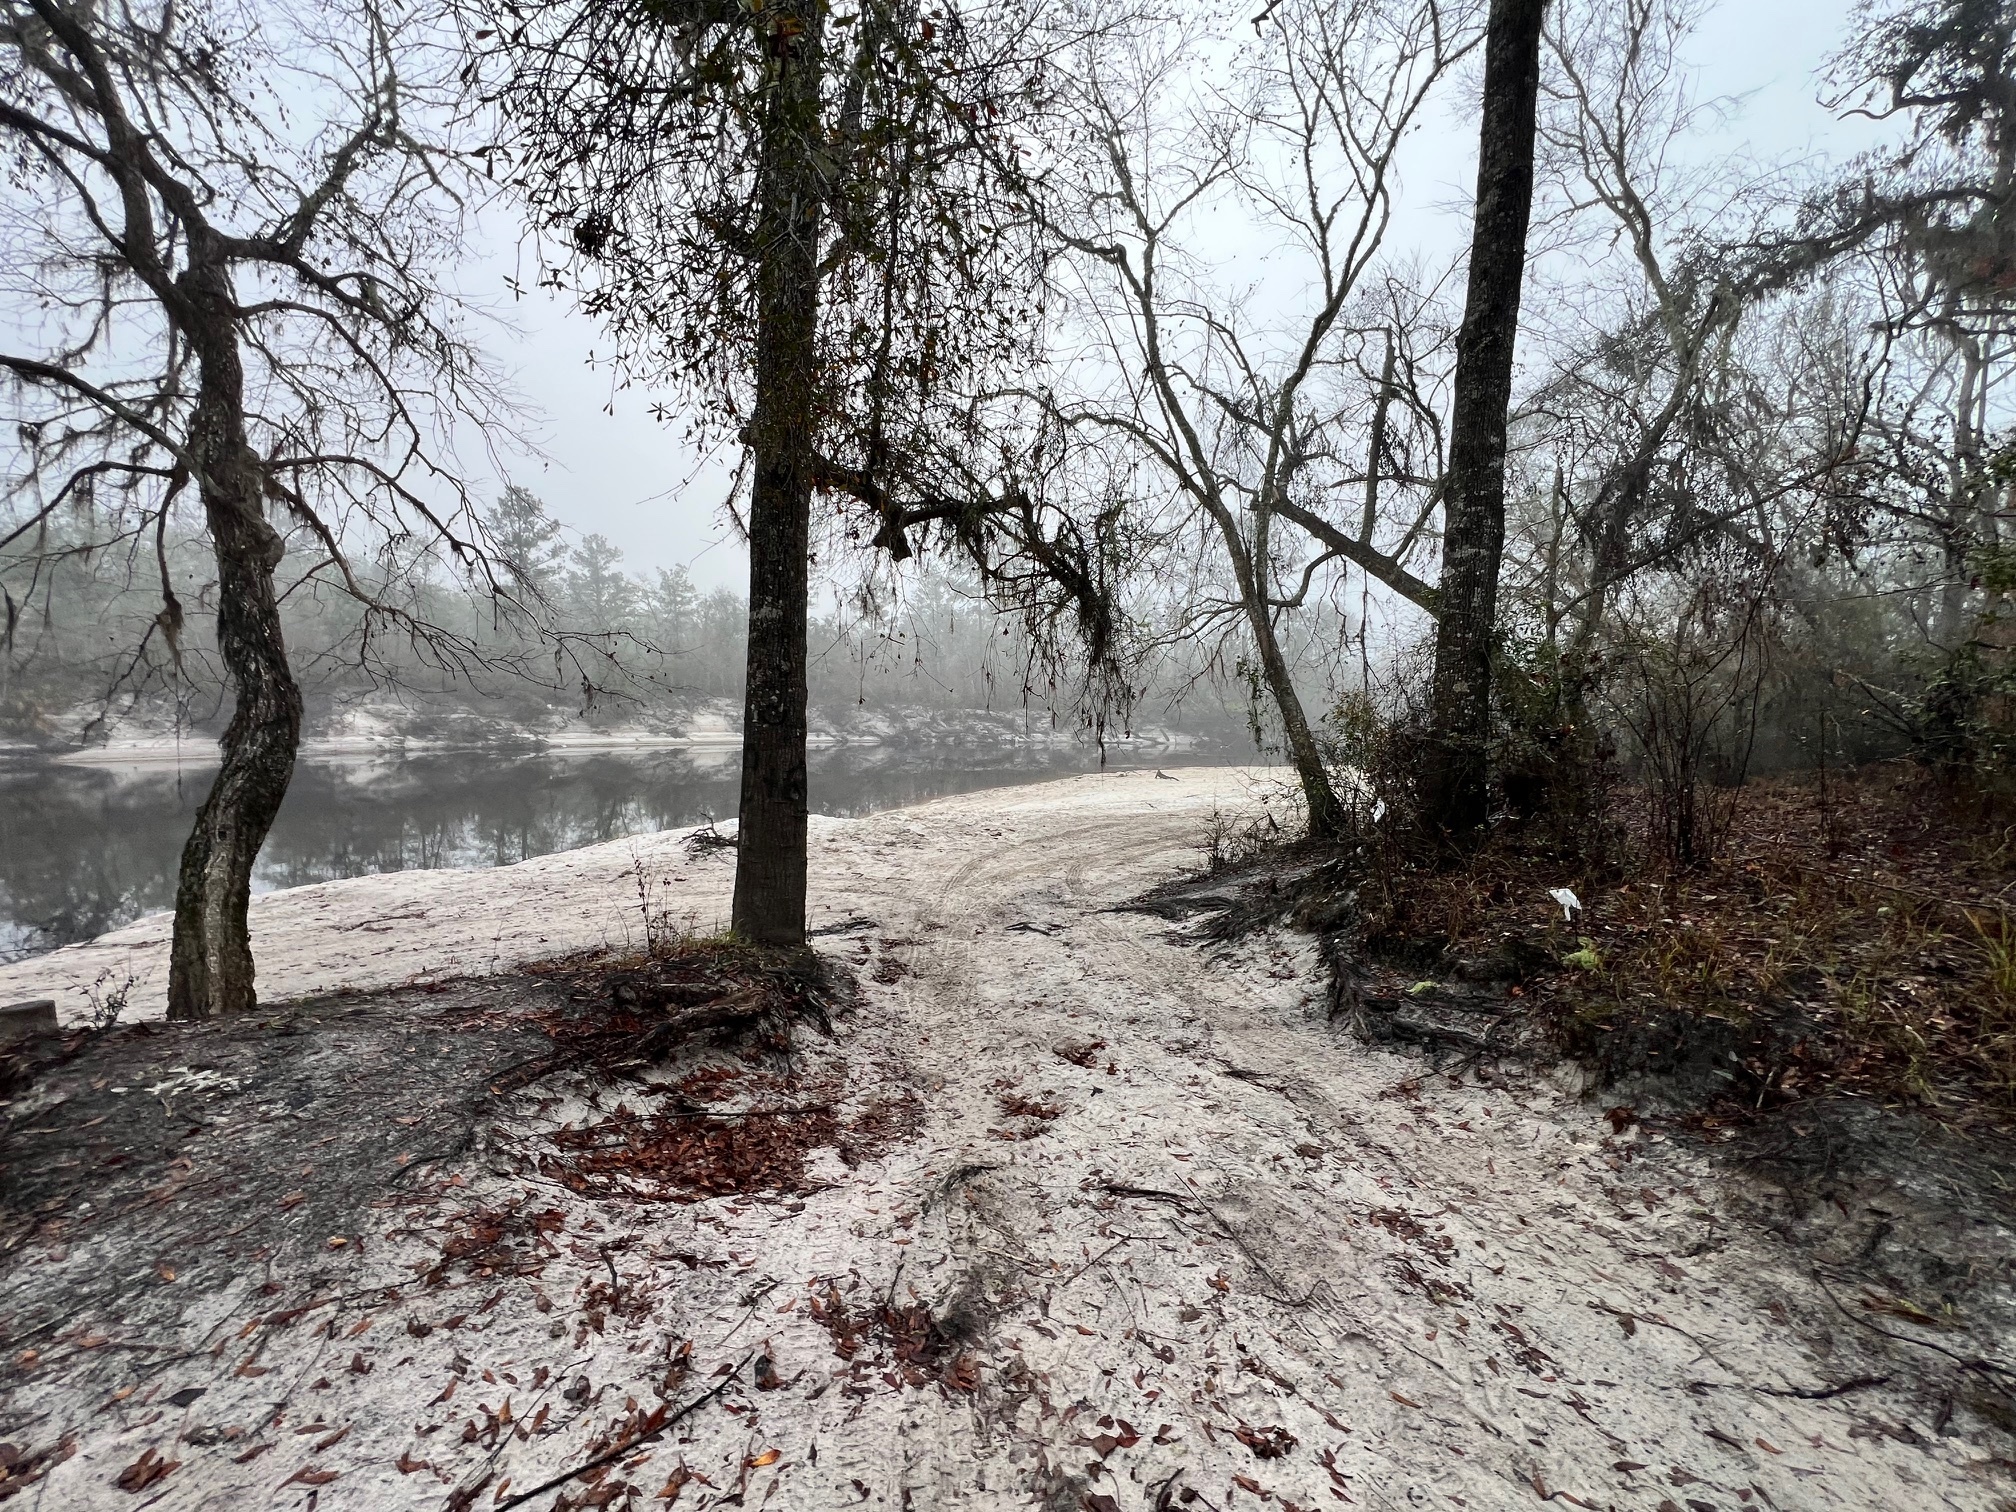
(1238, 1223)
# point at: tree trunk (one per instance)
(1454, 778)
(1326, 814)
(769, 905)
(210, 960)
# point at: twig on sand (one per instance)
(1979, 1362)
(615, 1281)
(1123, 1239)
(656, 1430)
(1825, 1393)
(1153, 1194)
(1282, 1294)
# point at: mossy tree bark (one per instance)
(1455, 775)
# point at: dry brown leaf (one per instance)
(145, 1471)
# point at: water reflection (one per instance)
(86, 849)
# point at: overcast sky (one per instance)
(613, 469)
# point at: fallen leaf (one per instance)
(406, 1464)
(293, 1199)
(675, 1483)
(308, 1475)
(1403, 1401)
(145, 1471)
(767, 1457)
(1266, 1443)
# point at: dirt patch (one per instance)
(192, 1155)
(1859, 939)
(302, 1161)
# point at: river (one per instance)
(84, 849)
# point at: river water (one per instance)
(84, 849)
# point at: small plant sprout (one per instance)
(1585, 959)
(108, 1003)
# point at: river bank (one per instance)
(143, 738)
(1137, 1227)
(88, 848)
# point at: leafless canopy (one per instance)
(310, 150)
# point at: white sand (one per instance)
(400, 927)
(1608, 1331)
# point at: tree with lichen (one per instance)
(225, 220)
(805, 220)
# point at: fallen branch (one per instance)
(1979, 1362)
(1826, 1393)
(1152, 1194)
(657, 1430)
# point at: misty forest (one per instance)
(897, 754)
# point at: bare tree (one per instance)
(226, 218)
(1690, 398)
(1936, 211)
(1263, 440)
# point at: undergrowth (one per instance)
(1858, 939)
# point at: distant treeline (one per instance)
(571, 634)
